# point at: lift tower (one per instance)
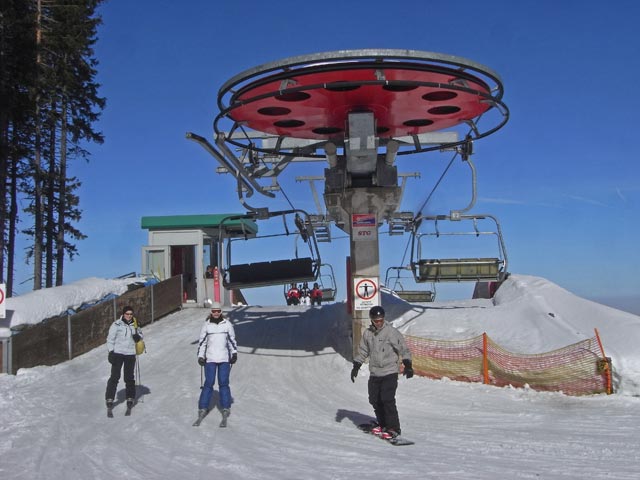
(358, 110)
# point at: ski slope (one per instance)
(295, 410)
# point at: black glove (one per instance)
(234, 358)
(408, 369)
(354, 370)
(201, 361)
(136, 337)
(110, 357)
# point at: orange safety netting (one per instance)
(577, 369)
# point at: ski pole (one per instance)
(201, 381)
(139, 382)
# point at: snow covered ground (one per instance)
(295, 409)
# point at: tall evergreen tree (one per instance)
(49, 130)
(17, 75)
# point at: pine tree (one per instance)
(41, 135)
(17, 75)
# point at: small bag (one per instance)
(140, 346)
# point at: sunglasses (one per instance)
(216, 311)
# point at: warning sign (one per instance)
(3, 311)
(364, 227)
(365, 293)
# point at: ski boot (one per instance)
(109, 403)
(130, 402)
(201, 414)
(225, 414)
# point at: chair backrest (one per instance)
(277, 272)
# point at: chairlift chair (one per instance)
(327, 283)
(273, 272)
(412, 296)
(457, 269)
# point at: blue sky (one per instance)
(561, 175)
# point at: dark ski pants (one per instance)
(129, 362)
(382, 397)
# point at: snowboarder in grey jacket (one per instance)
(384, 346)
(121, 344)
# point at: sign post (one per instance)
(216, 284)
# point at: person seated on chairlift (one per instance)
(316, 295)
(305, 294)
(293, 295)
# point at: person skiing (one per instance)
(217, 351)
(384, 345)
(121, 344)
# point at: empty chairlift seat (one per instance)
(416, 296)
(459, 269)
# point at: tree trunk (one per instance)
(62, 197)
(50, 188)
(13, 213)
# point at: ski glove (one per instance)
(234, 358)
(354, 371)
(201, 361)
(408, 369)
(110, 357)
(136, 337)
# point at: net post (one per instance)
(606, 363)
(485, 359)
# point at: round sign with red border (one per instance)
(366, 289)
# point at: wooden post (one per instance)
(606, 364)
(485, 359)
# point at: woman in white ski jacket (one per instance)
(217, 351)
(121, 344)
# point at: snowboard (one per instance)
(397, 441)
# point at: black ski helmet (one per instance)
(376, 312)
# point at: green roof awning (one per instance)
(174, 222)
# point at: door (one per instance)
(155, 261)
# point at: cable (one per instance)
(436, 185)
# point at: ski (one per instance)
(397, 440)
